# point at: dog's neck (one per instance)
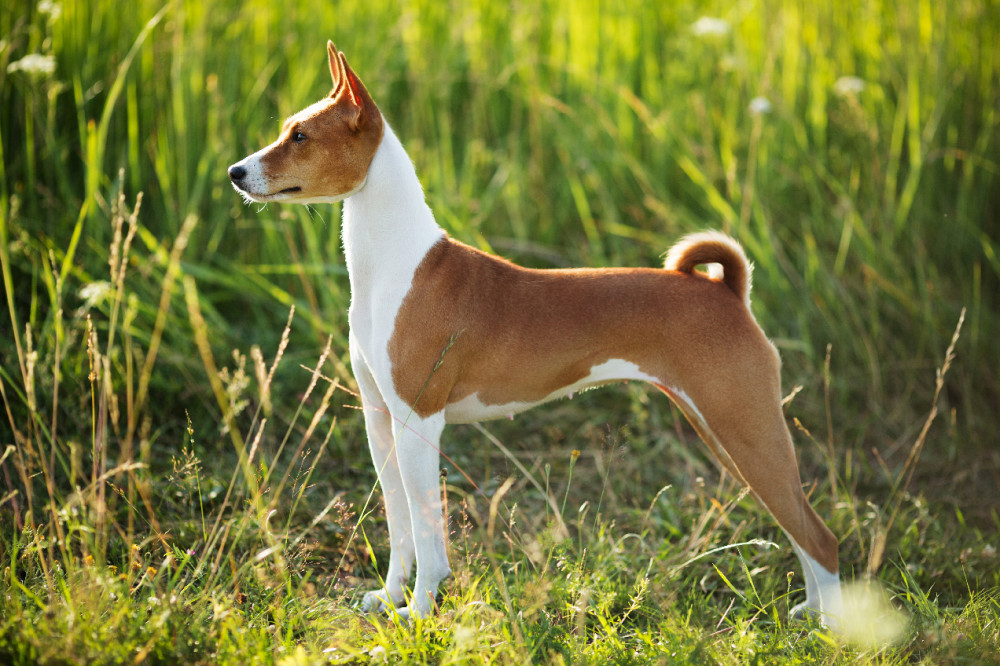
(387, 225)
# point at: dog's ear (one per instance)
(336, 72)
(361, 101)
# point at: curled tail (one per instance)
(713, 247)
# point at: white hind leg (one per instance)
(823, 594)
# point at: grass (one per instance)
(184, 475)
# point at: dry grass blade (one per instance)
(563, 530)
(918, 445)
(902, 483)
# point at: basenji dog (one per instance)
(443, 333)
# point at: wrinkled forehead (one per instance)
(311, 111)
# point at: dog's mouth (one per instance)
(293, 194)
(262, 197)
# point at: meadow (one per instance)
(183, 471)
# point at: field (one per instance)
(184, 476)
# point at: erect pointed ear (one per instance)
(336, 72)
(359, 96)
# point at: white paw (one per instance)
(377, 601)
(412, 611)
(804, 612)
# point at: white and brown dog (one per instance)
(443, 333)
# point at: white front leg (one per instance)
(382, 445)
(418, 453)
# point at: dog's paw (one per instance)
(407, 613)
(377, 601)
(412, 611)
(806, 613)
(417, 606)
(803, 612)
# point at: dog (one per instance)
(443, 333)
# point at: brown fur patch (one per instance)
(518, 334)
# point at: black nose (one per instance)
(236, 172)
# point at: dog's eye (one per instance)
(298, 137)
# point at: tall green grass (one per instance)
(165, 498)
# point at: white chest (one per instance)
(387, 230)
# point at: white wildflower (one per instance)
(34, 64)
(760, 105)
(848, 85)
(95, 293)
(53, 9)
(708, 26)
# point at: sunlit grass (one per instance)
(166, 498)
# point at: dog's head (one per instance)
(323, 152)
